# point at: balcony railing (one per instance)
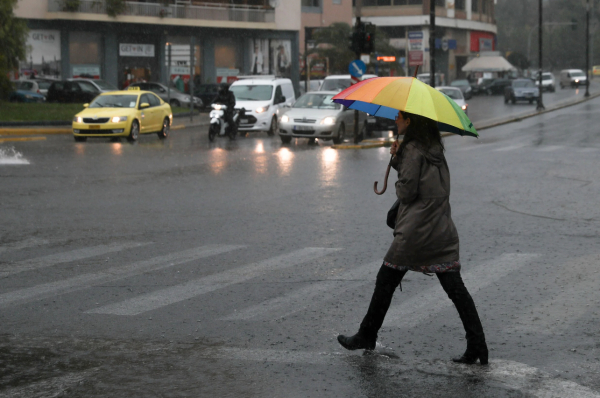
(206, 11)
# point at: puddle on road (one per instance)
(11, 156)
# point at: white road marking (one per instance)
(425, 304)
(175, 294)
(111, 274)
(514, 375)
(24, 244)
(65, 257)
(302, 298)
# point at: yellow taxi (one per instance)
(596, 70)
(127, 113)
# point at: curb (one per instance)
(33, 131)
(22, 139)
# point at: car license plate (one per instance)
(303, 128)
(94, 127)
(244, 121)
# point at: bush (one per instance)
(71, 5)
(115, 7)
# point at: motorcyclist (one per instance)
(226, 97)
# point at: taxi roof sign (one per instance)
(135, 88)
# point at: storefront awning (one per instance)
(488, 64)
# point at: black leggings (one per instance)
(388, 280)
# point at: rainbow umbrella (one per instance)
(386, 96)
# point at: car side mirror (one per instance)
(86, 105)
(144, 105)
(162, 90)
(281, 99)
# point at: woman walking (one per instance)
(425, 238)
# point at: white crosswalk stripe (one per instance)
(300, 299)
(194, 288)
(418, 308)
(518, 376)
(66, 257)
(24, 244)
(119, 272)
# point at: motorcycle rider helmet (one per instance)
(224, 88)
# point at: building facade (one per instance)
(463, 29)
(207, 41)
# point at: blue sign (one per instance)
(415, 35)
(357, 68)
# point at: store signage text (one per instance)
(136, 50)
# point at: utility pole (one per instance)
(540, 104)
(191, 82)
(587, 49)
(432, 42)
(358, 28)
(169, 73)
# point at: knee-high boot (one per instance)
(476, 346)
(388, 280)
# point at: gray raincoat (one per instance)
(424, 234)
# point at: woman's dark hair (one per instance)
(421, 129)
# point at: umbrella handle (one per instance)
(387, 173)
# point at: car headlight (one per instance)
(464, 107)
(77, 119)
(262, 109)
(117, 119)
(285, 119)
(217, 107)
(329, 120)
(576, 80)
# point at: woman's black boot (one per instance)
(458, 293)
(357, 342)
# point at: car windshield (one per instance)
(546, 76)
(104, 85)
(317, 101)
(577, 74)
(523, 83)
(43, 85)
(454, 94)
(459, 83)
(114, 101)
(247, 92)
(336, 84)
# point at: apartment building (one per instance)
(463, 29)
(123, 41)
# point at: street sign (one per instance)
(415, 58)
(357, 68)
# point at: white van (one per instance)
(262, 97)
(339, 82)
(572, 78)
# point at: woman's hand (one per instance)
(394, 148)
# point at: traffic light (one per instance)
(369, 43)
(362, 39)
(356, 42)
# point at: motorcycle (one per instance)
(218, 124)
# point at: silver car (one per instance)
(315, 115)
(177, 97)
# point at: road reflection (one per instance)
(116, 148)
(329, 163)
(284, 158)
(218, 160)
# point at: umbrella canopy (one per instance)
(488, 64)
(386, 96)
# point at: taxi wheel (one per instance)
(340, 135)
(135, 131)
(164, 132)
(80, 139)
(273, 128)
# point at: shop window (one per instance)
(367, 3)
(475, 5)
(440, 3)
(311, 3)
(459, 5)
(415, 2)
(484, 6)
(85, 55)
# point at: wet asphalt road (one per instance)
(181, 268)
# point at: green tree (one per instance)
(332, 43)
(13, 42)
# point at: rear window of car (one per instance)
(459, 83)
(44, 85)
(114, 101)
(104, 85)
(317, 101)
(57, 86)
(523, 83)
(454, 94)
(250, 92)
(335, 84)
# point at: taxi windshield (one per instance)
(114, 101)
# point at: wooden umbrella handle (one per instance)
(387, 173)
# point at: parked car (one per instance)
(496, 86)
(456, 95)
(425, 77)
(23, 92)
(207, 93)
(548, 82)
(339, 82)
(177, 97)
(264, 100)
(572, 78)
(464, 87)
(480, 84)
(100, 85)
(521, 90)
(72, 91)
(125, 113)
(44, 84)
(315, 115)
